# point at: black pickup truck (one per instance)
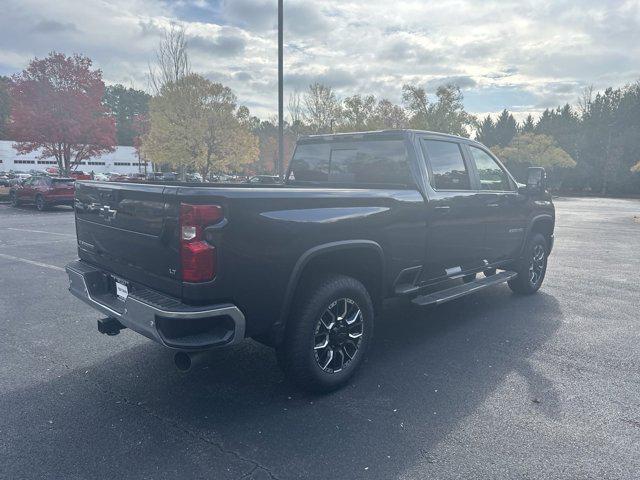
(303, 266)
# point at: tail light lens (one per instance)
(198, 258)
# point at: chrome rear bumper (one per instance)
(157, 316)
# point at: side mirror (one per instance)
(536, 179)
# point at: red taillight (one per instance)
(198, 258)
(198, 261)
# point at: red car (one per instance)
(43, 192)
(77, 174)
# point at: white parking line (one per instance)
(31, 262)
(40, 231)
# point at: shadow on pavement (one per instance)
(133, 415)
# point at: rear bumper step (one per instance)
(436, 298)
(159, 317)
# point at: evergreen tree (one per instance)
(529, 125)
(506, 128)
(127, 104)
(563, 125)
(486, 133)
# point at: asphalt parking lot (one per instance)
(490, 386)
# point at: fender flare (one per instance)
(314, 252)
(536, 219)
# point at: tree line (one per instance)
(592, 146)
(187, 122)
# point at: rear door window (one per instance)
(360, 162)
(447, 170)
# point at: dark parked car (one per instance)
(304, 266)
(43, 192)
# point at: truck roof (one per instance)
(372, 133)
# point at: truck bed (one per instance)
(132, 231)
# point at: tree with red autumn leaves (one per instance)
(57, 108)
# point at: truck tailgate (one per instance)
(131, 231)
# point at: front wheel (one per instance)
(327, 334)
(532, 267)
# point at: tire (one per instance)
(532, 267)
(317, 319)
(14, 199)
(41, 205)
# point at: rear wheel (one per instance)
(532, 267)
(327, 334)
(40, 203)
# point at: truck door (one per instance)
(504, 209)
(454, 213)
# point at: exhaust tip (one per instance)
(182, 361)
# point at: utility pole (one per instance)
(280, 165)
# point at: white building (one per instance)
(123, 160)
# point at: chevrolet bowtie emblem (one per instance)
(107, 213)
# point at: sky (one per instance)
(521, 55)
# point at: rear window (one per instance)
(359, 162)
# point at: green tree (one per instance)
(600, 147)
(486, 133)
(506, 128)
(563, 124)
(127, 104)
(5, 106)
(321, 109)
(358, 113)
(628, 124)
(446, 114)
(197, 124)
(528, 125)
(388, 115)
(535, 150)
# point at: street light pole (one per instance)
(280, 165)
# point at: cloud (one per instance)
(305, 19)
(503, 54)
(52, 26)
(463, 82)
(257, 15)
(401, 50)
(336, 78)
(243, 76)
(226, 44)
